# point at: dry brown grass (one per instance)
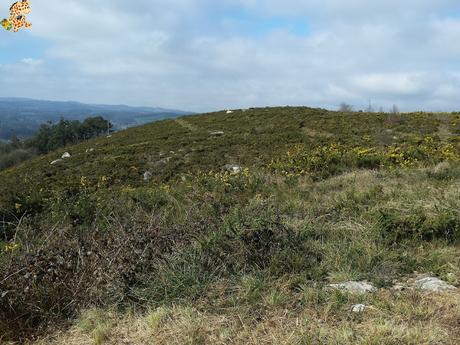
(393, 318)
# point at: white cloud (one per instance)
(32, 61)
(184, 53)
(391, 83)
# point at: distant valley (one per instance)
(23, 116)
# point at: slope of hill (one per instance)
(23, 116)
(228, 229)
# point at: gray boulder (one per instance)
(433, 284)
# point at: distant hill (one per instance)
(23, 116)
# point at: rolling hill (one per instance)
(23, 116)
(233, 227)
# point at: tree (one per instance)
(53, 136)
(94, 126)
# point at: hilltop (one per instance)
(229, 227)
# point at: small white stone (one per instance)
(358, 308)
(217, 133)
(66, 155)
(56, 161)
(147, 176)
(236, 169)
(229, 112)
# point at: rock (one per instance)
(89, 150)
(358, 308)
(56, 161)
(433, 284)
(147, 176)
(217, 133)
(229, 112)
(354, 287)
(66, 155)
(233, 168)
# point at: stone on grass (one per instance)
(354, 287)
(358, 308)
(433, 284)
(147, 176)
(229, 112)
(233, 168)
(217, 133)
(56, 161)
(66, 155)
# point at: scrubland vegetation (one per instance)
(95, 251)
(51, 137)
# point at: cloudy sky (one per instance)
(203, 55)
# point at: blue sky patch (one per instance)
(21, 45)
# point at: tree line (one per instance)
(52, 136)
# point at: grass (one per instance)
(207, 256)
(310, 316)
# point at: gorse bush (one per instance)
(325, 161)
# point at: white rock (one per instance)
(229, 112)
(354, 287)
(217, 133)
(233, 168)
(358, 308)
(147, 176)
(433, 284)
(56, 161)
(66, 155)
(89, 150)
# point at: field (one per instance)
(147, 236)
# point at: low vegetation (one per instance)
(194, 254)
(51, 137)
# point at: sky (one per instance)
(204, 55)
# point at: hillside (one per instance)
(23, 116)
(228, 228)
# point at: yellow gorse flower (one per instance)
(84, 181)
(11, 247)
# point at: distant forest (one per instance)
(23, 117)
(50, 137)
